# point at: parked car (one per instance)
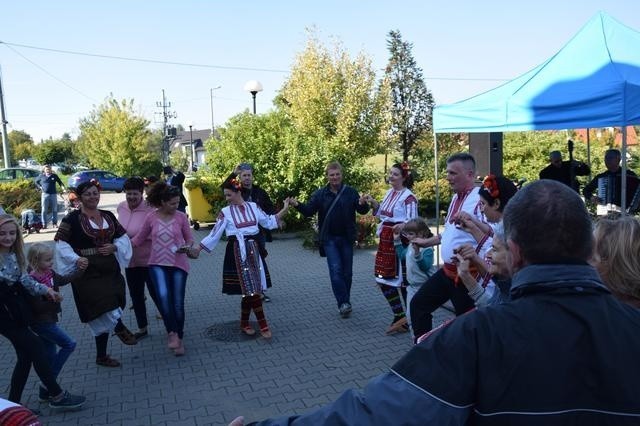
(15, 173)
(30, 163)
(108, 181)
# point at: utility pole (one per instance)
(167, 131)
(213, 128)
(5, 138)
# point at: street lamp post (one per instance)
(213, 129)
(191, 144)
(253, 87)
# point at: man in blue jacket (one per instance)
(563, 351)
(336, 205)
(46, 182)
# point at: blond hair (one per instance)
(334, 165)
(18, 245)
(617, 244)
(36, 252)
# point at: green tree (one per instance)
(332, 97)
(411, 102)
(285, 161)
(526, 153)
(53, 151)
(21, 146)
(113, 137)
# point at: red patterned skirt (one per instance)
(387, 263)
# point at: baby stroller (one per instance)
(31, 221)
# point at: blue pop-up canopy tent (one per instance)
(593, 81)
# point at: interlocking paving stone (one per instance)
(313, 357)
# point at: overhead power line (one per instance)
(188, 64)
(49, 74)
(153, 61)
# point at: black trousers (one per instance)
(137, 279)
(29, 350)
(436, 291)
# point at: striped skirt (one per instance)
(247, 277)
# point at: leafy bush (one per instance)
(19, 195)
(425, 191)
(366, 226)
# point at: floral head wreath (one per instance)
(405, 169)
(87, 185)
(96, 183)
(236, 184)
(490, 185)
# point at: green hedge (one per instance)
(19, 195)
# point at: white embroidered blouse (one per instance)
(397, 206)
(239, 221)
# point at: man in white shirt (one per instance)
(444, 285)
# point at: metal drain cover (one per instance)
(229, 332)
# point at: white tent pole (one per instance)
(435, 167)
(623, 186)
(589, 153)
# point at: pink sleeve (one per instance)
(186, 230)
(144, 231)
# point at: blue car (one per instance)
(108, 181)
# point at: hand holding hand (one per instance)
(467, 251)
(462, 264)
(193, 252)
(292, 201)
(420, 242)
(397, 230)
(107, 249)
(366, 198)
(82, 263)
(54, 295)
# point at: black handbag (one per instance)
(14, 304)
(319, 241)
(319, 246)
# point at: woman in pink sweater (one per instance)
(132, 214)
(168, 264)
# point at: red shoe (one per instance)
(265, 332)
(248, 330)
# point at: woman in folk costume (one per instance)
(398, 206)
(94, 237)
(244, 271)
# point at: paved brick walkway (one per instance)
(313, 356)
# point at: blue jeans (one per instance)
(53, 337)
(169, 284)
(49, 204)
(339, 251)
